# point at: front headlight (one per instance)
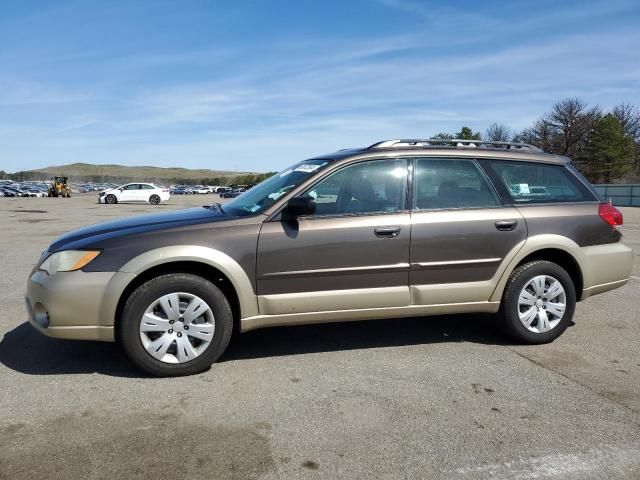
(68, 260)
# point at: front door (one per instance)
(353, 253)
(461, 233)
(131, 193)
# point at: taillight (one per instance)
(611, 215)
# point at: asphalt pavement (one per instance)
(433, 397)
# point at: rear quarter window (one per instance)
(528, 182)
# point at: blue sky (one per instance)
(258, 85)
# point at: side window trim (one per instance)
(498, 185)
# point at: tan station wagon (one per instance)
(401, 228)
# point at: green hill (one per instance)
(121, 173)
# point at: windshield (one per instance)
(265, 194)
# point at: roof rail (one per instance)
(454, 142)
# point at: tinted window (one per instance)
(132, 186)
(443, 183)
(375, 186)
(538, 182)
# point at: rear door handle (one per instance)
(387, 232)
(506, 225)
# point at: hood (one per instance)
(94, 234)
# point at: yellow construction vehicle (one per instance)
(60, 187)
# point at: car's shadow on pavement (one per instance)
(295, 340)
(27, 351)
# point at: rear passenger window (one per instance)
(538, 182)
(443, 183)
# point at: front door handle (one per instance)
(506, 225)
(387, 232)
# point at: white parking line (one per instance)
(635, 278)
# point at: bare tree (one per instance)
(629, 116)
(541, 134)
(572, 122)
(498, 132)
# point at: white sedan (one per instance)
(135, 192)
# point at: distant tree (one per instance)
(571, 121)
(629, 117)
(610, 151)
(498, 132)
(541, 134)
(442, 136)
(467, 134)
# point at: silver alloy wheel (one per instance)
(541, 304)
(177, 327)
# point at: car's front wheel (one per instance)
(175, 324)
(111, 199)
(538, 302)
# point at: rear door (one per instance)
(461, 232)
(353, 253)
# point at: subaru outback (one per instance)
(402, 228)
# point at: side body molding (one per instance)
(195, 253)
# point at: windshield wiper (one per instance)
(215, 206)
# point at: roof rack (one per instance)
(454, 142)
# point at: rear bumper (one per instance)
(605, 267)
(75, 305)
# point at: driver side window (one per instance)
(374, 186)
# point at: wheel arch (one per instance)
(554, 248)
(562, 258)
(211, 264)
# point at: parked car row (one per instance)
(86, 187)
(119, 193)
(196, 189)
(10, 188)
(232, 193)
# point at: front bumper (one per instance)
(75, 305)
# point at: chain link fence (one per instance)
(621, 195)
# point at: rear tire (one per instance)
(154, 200)
(535, 309)
(185, 288)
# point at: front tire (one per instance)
(175, 324)
(538, 303)
(111, 199)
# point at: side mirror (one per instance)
(300, 206)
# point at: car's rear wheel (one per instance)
(154, 200)
(111, 199)
(175, 324)
(538, 302)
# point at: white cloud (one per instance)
(289, 100)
